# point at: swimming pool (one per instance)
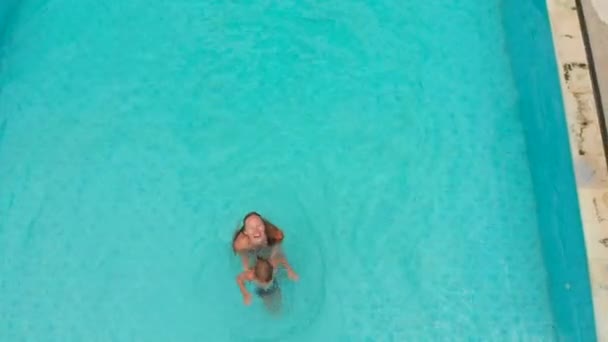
(404, 149)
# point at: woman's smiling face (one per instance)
(255, 230)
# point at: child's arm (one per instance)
(240, 280)
(281, 260)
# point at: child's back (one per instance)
(267, 287)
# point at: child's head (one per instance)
(263, 271)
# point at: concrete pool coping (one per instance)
(596, 24)
(587, 135)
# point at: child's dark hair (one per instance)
(263, 270)
(273, 234)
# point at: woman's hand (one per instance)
(292, 275)
(247, 298)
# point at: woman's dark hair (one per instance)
(273, 234)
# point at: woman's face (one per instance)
(255, 230)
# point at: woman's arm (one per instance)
(276, 251)
(240, 247)
(244, 260)
(282, 260)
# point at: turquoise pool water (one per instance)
(532, 57)
(384, 137)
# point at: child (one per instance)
(262, 275)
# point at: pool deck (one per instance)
(596, 24)
(581, 88)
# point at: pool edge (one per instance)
(587, 135)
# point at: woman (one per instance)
(257, 237)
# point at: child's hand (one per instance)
(292, 275)
(247, 298)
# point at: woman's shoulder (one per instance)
(240, 243)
